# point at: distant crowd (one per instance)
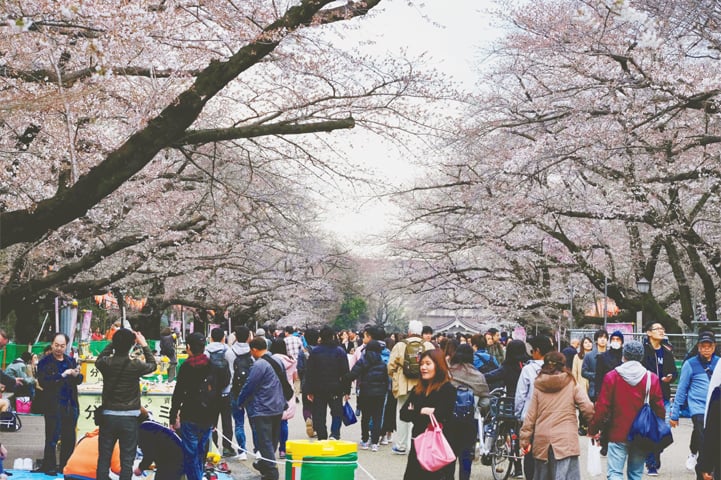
(591, 387)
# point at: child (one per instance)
(372, 375)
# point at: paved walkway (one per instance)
(383, 465)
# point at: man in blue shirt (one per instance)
(692, 388)
(262, 397)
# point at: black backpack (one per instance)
(465, 404)
(241, 370)
(218, 377)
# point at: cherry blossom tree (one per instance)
(592, 153)
(166, 146)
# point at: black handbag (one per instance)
(10, 422)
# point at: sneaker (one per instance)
(398, 451)
(309, 428)
(652, 472)
(364, 445)
(691, 462)
(384, 441)
(242, 456)
(374, 447)
(333, 437)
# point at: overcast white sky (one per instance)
(453, 33)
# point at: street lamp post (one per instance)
(643, 286)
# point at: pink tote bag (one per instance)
(432, 449)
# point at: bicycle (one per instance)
(500, 435)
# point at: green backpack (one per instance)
(411, 359)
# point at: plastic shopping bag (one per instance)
(593, 461)
(349, 417)
(432, 449)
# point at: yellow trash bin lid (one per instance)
(298, 449)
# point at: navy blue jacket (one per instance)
(325, 373)
(373, 375)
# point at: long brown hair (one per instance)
(425, 387)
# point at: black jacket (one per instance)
(326, 368)
(186, 396)
(167, 348)
(606, 362)
(443, 400)
(120, 378)
(668, 366)
(505, 376)
(373, 375)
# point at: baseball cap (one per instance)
(706, 337)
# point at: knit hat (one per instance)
(415, 327)
(633, 350)
(617, 333)
(260, 333)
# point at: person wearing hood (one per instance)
(551, 421)
(622, 396)
(218, 347)
(279, 351)
(372, 376)
(238, 355)
(608, 360)
(462, 434)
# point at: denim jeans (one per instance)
(195, 442)
(124, 430)
(320, 405)
(620, 454)
(267, 432)
(283, 435)
(239, 418)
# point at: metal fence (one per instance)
(682, 343)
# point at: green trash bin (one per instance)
(322, 460)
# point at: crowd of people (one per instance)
(592, 387)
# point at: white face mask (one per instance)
(615, 345)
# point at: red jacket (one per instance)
(619, 403)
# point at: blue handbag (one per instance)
(649, 433)
(349, 417)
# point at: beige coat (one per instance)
(401, 384)
(551, 417)
(576, 371)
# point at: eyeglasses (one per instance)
(658, 329)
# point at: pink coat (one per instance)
(551, 418)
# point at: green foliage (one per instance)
(353, 311)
